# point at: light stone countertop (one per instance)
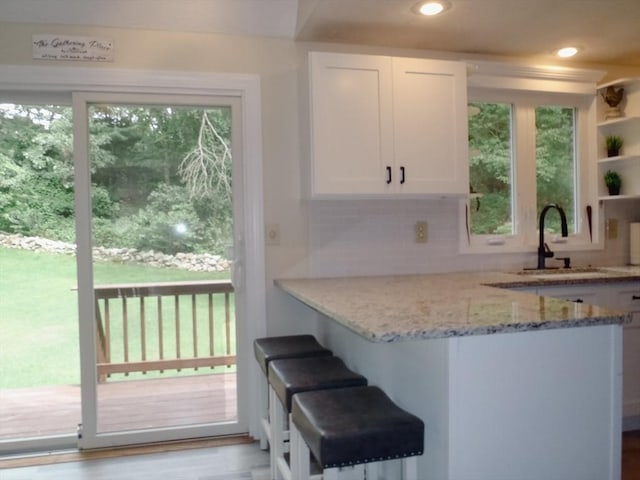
(415, 307)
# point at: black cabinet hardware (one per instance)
(401, 175)
(388, 175)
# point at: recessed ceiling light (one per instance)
(567, 52)
(431, 7)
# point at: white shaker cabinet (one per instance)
(387, 126)
(351, 129)
(627, 297)
(620, 296)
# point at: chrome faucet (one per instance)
(543, 249)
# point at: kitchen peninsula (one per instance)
(510, 385)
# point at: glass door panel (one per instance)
(161, 221)
(39, 360)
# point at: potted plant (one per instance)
(613, 182)
(614, 144)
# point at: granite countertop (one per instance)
(415, 307)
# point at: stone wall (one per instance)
(185, 261)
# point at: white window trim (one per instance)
(534, 86)
(52, 82)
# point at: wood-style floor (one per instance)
(152, 403)
(631, 455)
(244, 461)
(125, 405)
(206, 460)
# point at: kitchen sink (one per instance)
(573, 273)
(559, 271)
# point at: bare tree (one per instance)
(207, 168)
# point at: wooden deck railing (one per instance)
(164, 326)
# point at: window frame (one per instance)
(524, 214)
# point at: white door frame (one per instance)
(251, 277)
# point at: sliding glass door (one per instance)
(39, 359)
(152, 226)
(157, 314)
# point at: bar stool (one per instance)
(289, 377)
(356, 426)
(267, 349)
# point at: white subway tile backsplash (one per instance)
(376, 237)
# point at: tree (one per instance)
(138, 189)
(207, 168)
(491, 158)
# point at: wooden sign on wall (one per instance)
(67, 47)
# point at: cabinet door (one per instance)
(351, 115)
(631, 367)
(430, 125)
(576, 294)
(627, 297)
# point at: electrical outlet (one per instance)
(420, 231)
(272, 234)
(612, 229)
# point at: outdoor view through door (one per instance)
(39, 360)
(161, 225)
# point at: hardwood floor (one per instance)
(631, 455)
(202, 461)
(124, 405)
(231, 462)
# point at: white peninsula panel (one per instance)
(510, 385)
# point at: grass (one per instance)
(39, 319)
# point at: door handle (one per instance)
(388, 175)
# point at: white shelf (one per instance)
(620, 197)
(614, 122)
(621, 82)
(619, 158)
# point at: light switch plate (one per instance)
(272, 234)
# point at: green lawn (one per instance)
(38, 313)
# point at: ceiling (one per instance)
(608, 31)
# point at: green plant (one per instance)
(613, 181)
(614, 143)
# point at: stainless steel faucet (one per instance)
(544, 251)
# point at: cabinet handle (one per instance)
(635, 297)
(578, 300)
(388, 175)
(401, 175)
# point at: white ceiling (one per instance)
(607, 30)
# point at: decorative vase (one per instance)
(613, 97)
(613, 152)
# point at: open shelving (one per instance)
(628, 127)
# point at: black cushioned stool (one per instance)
(273, 348)
(289, 377)
(292, 346)
(352, 426)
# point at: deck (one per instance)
(124, 405)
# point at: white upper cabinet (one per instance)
(351, 129)
(430, 125)
(387, 125)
